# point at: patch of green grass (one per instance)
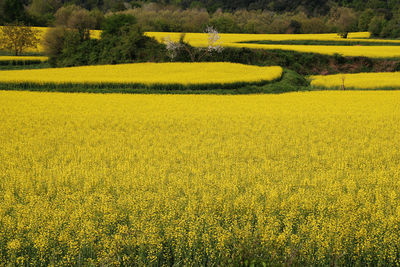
(8, 53)
(37, 65)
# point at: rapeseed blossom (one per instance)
(147, 74)
(23, 58)
(307, 178)
(376, 80)
(239, 40)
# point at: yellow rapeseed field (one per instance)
(42, 31)
(353, 51)
(146, 73)
(295, 179)
(358, 80)
(200, 39)
(233, 40)
(23, 58)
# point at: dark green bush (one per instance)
(121, 41)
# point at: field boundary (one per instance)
(16, 62)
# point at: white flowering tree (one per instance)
(213, 40)
(198, 53)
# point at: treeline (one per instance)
(154, 17)
(310, 7)
(381, 18)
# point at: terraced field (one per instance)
(239, 40)
(145, 75)
(385, 80)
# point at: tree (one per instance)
(18, 37)
(13, 10)
(116, 24)
(53, 43)
(122, 40)
(174, 49)
(42, 12)
(294, 27)
(376, 25)
(77, 18)
(224, 22)
(365, 19)
(346, 21)
(82, 21)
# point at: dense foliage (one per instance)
(121, 41)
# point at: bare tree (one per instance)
(343, 79)
(53, 41)
(18, 37)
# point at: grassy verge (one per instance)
(19, 62)
(40, 65)
(25, 67)
(290, 81)
(8, 53)
(22, 64)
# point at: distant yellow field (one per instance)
(355, 51)
(200, 39)
(23, 58)
(147, 73)
(150, 180)
(359, 80)
(232, 40)
(42, 32)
